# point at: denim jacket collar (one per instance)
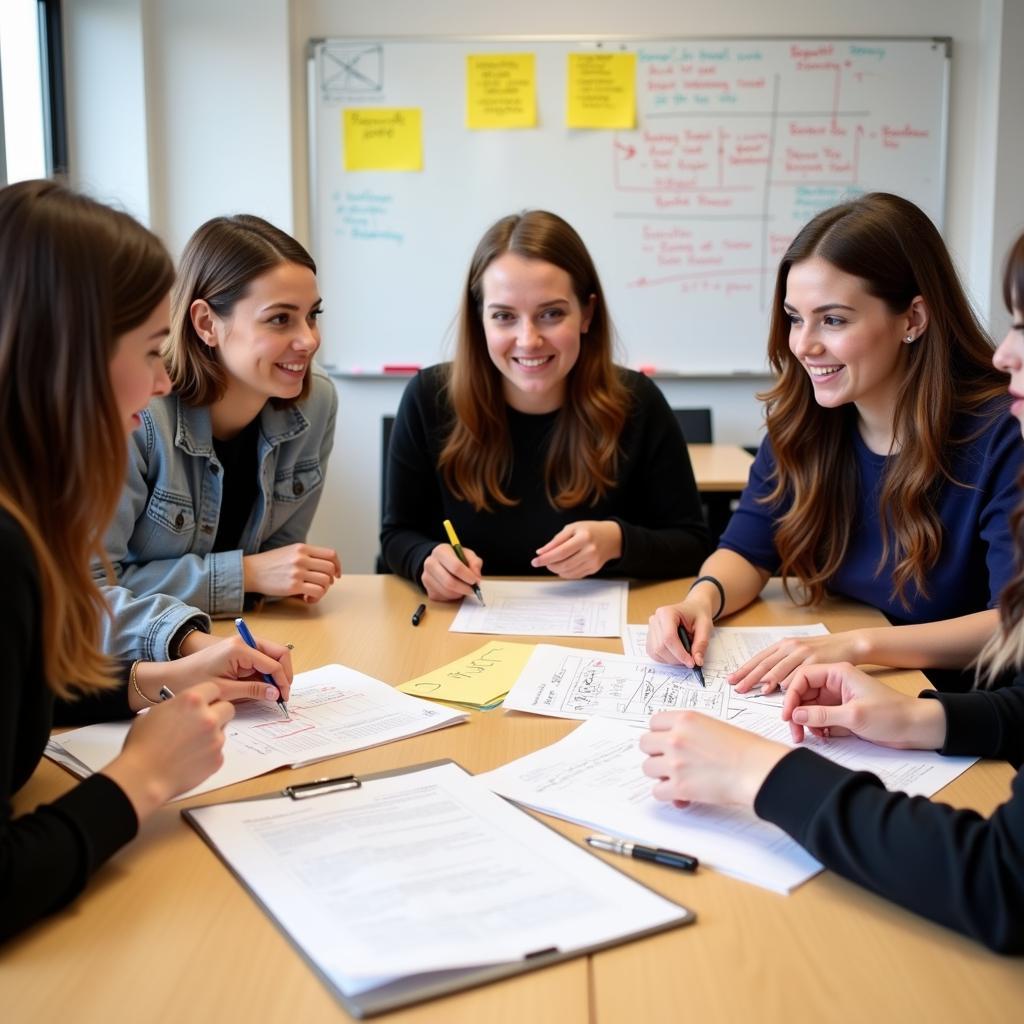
(194, 433)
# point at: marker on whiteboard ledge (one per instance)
(400, 368)
(647, 369)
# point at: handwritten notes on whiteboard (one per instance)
(501, 91)
(601, 90)
(382, 139)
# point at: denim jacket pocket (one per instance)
(173, 512)
(296, 483)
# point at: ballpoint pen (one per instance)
(243, 632)
(454, 540)
(671, 859)
(418, 614)
(684, 639)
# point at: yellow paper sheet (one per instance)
(476, 679)
(501, 91)
(383, 138)
(602, 90)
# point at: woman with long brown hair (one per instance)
(546, 456)
(953, 866)
(889, 468)
(83, 314)
(226, 472)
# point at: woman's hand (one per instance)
(773, 666)
(693, 613)
(297, 570)
(580, 549)
(173, 748)
(837, 700)
(445, 578)
(236, 667)
(695, 758)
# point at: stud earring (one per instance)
(908, 340)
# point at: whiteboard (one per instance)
(738, 143)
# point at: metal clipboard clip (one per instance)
(318, 787)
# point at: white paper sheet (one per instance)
(334, 710)
(546, 608)
(423, 871)
(566, 682)
(593, 777)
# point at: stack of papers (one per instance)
(478, 680)
(334, 710)
(546, 608)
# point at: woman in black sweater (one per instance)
(83, 312)
(546, 456)
(955, 867)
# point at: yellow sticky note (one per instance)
(602, 90)
(501, 90)
(475, 680)
(383, 138)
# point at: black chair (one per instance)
(386, 425)
(696, 424)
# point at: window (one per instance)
(33, 141)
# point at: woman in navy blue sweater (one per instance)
(955, 867)
(889, 468)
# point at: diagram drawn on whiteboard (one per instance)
(347, 71)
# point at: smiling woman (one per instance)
(888, 472)
(226, 472)
(547, 457)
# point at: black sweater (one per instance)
(955, 867)
(654, 499)
(46, 856)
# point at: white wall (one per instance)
(224, 124)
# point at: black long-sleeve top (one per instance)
(46, 856)
(654, 499)
(953, 866)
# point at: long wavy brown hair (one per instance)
(74, 277)
(582, 459)
(898, 254)
(1005, 650)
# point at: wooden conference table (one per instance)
(720, 468)
(164, 933)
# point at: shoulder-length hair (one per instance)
(1005, 649)
(74, 277)
(898, 254)
(582, 459)
(220, 261)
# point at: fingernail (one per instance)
(800, 716)
(270, 693)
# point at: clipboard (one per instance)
(421, 987)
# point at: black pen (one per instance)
(671, 859)
(418, 614)
(165, 693)
(684, 639)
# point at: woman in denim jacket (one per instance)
(226, 472)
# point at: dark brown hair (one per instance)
(898, 254)
(220, 261)
(1005, 650)
(74, 277)
(582, 459)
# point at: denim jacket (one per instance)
(159, 543)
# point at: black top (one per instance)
(654, 499)
(955, 867)
(239, 467)
(45, 856)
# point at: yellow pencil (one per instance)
(454, 540)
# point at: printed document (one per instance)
(546, 608)
(423, 870)
(334, 710)
(593, 777)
